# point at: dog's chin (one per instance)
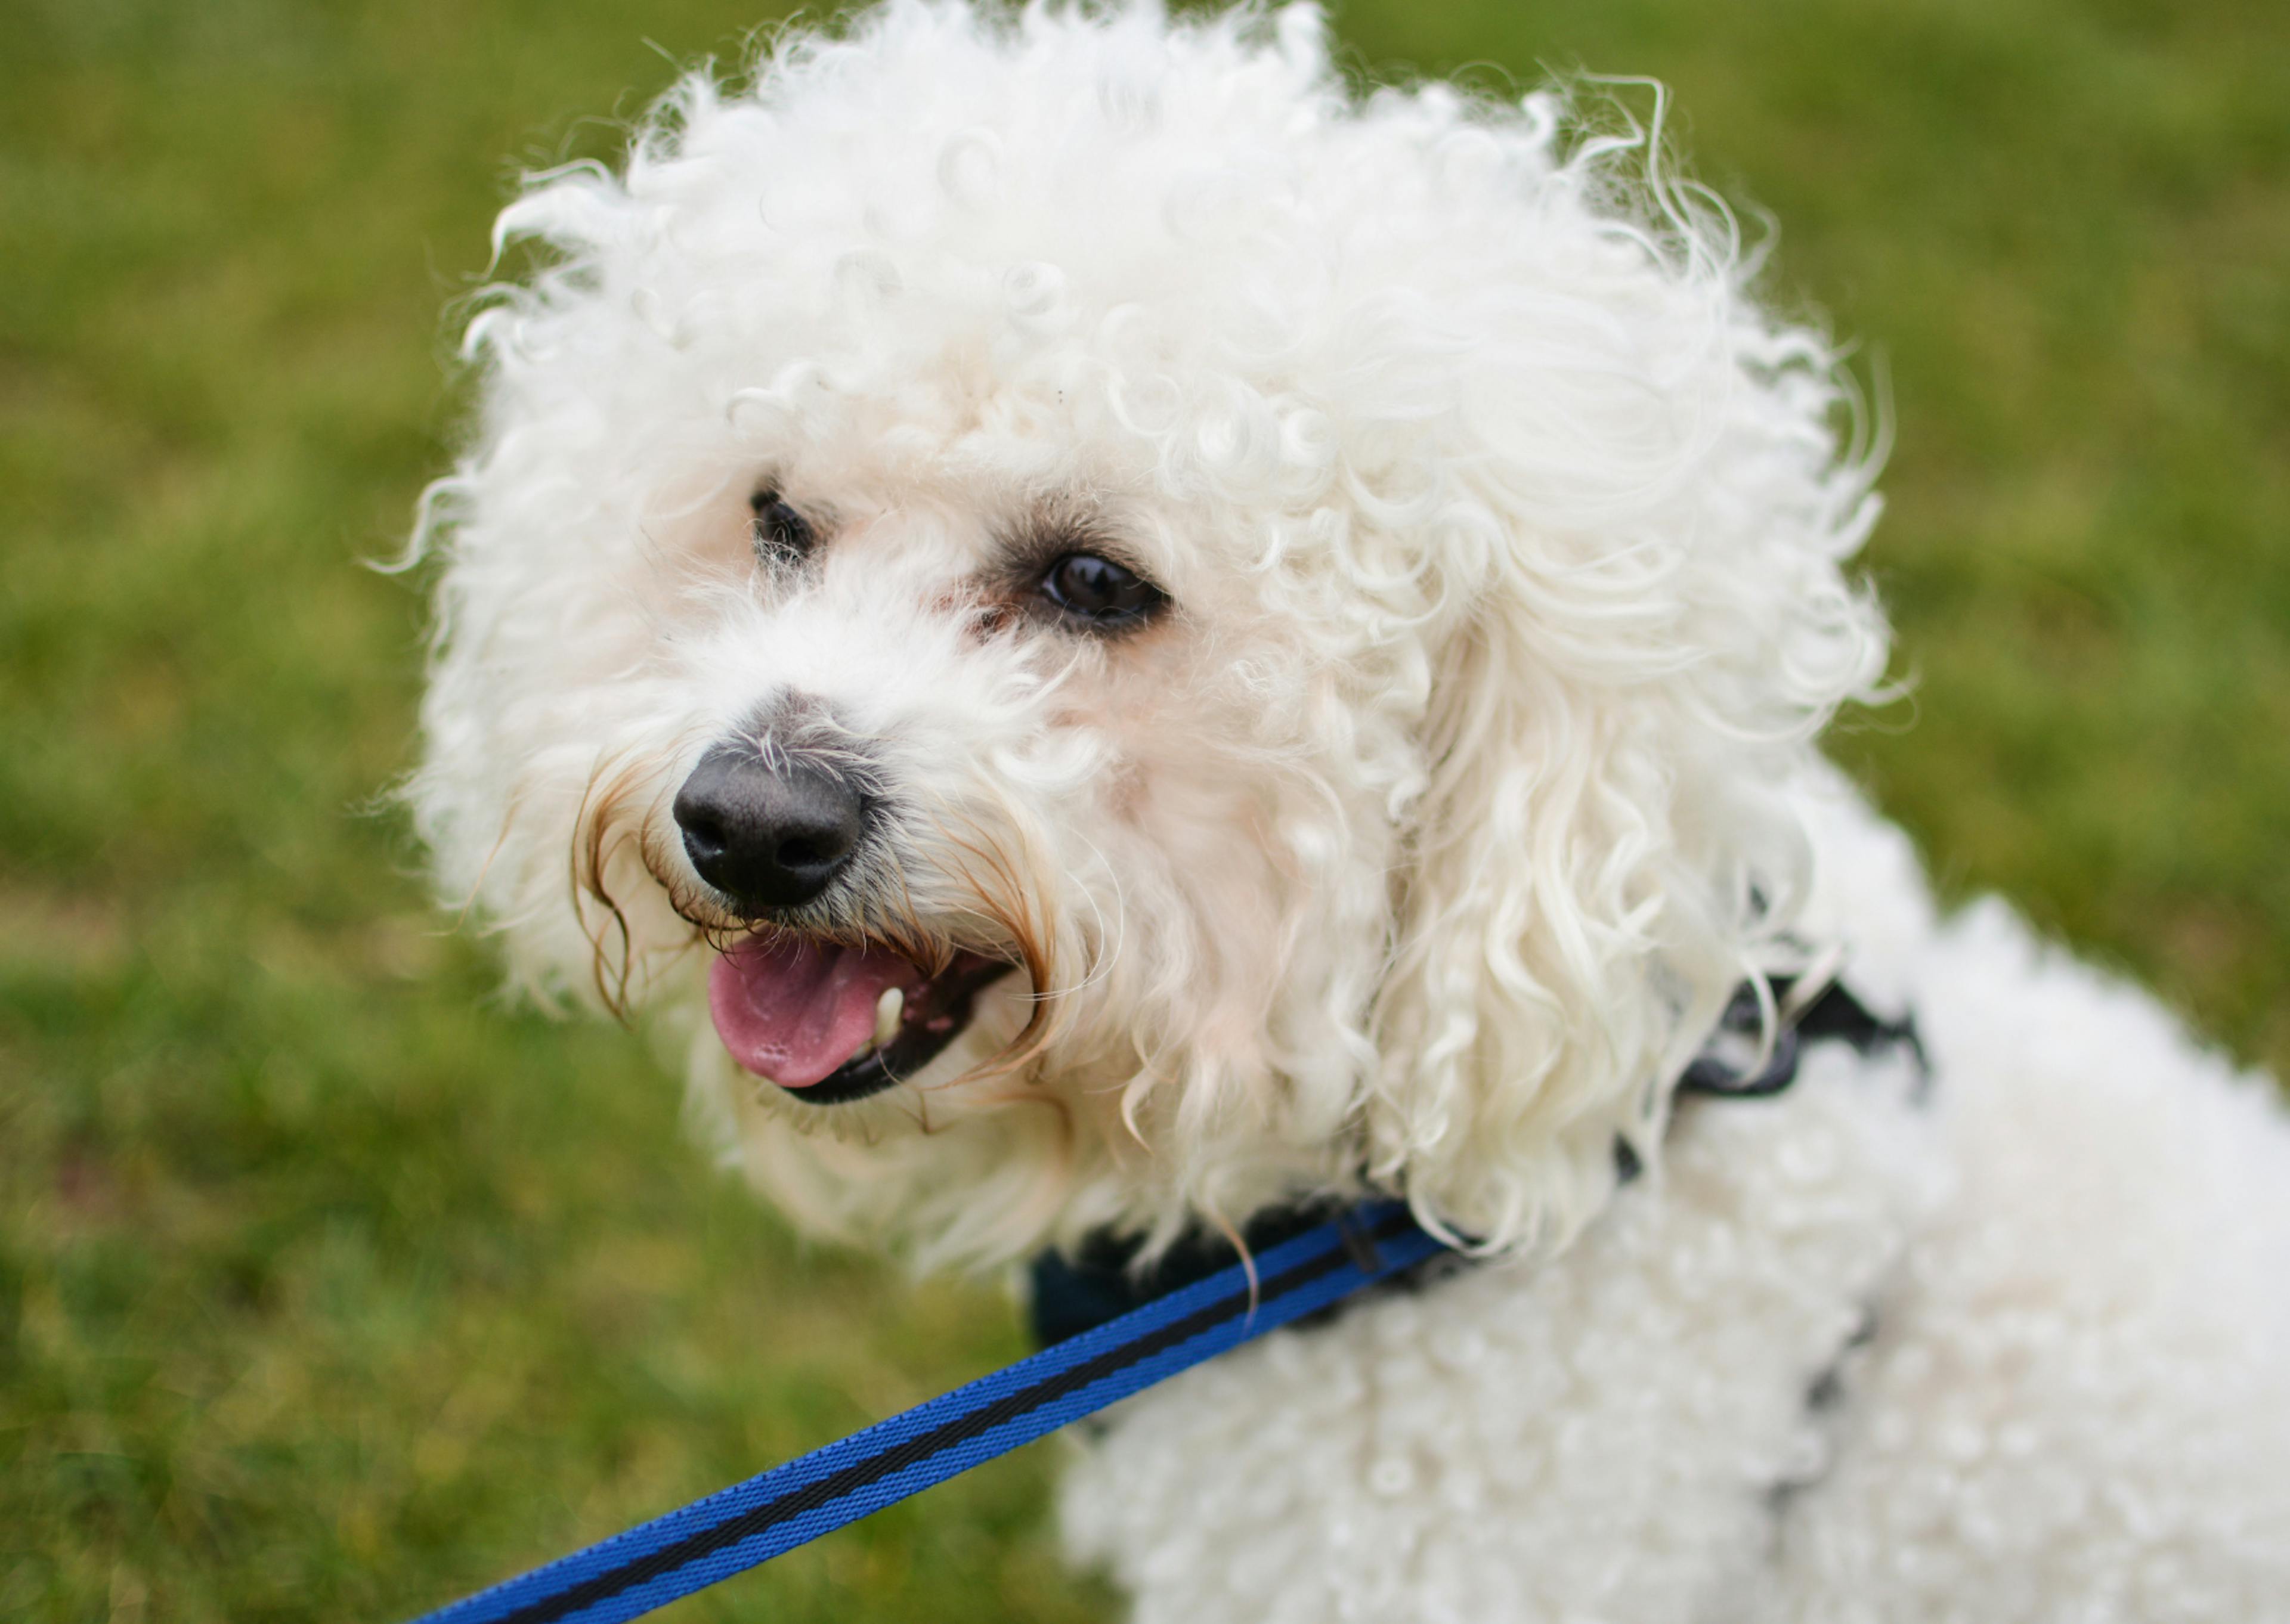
(828, 1022)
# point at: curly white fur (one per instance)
(2013, 1356)
(1416, 848)
(1504, 529)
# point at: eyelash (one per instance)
(780, 534)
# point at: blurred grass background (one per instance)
(328, 1287)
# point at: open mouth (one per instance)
(830, 1023)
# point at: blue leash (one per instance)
(749, 1523)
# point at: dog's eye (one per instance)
(782, 534)
(1100, 593)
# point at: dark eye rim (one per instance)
(1152, 601)
(780, 531)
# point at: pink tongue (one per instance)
(793, 1010)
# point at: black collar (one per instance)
(1099, 1281)
(1811, 1010)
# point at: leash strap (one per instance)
(752, 1522)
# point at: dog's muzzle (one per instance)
(827, 1020)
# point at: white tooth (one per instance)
(888, 1008)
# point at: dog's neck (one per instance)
(1107, 1274)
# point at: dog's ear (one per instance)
(1605, 845)
(1542, 984)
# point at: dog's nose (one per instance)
(767, 834)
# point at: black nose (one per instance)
(768, 835)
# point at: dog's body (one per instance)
(1190, 644)
(2003, 1343)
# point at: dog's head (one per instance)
(1145, 636)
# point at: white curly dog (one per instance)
(1157, 639)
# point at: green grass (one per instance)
(330, 1286)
